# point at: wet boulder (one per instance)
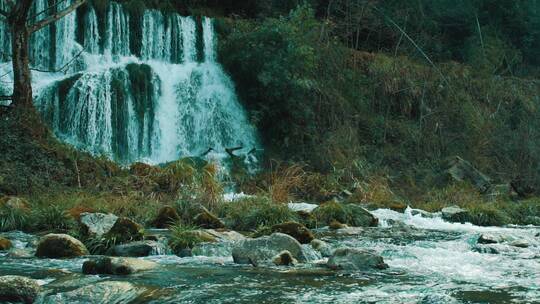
(355, 259)
(455, 214)
(17, 289)
(166, 217)
(263, 249)
(56, 246)
(520, 244)
(284, 258)
(139, 249)
(224, 235)
(101, 292)
(97, 224)
(296, 230)
(360, 217)
(5, 244)
(116, 266)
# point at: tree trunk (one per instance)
(22, 77)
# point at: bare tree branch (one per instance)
(56, 16)
(63, 67)
(32, 17)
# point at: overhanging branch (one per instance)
(56, 16)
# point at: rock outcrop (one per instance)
(166, 217)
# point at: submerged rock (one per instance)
(5, 244)
(355, 259)
(139, 249)
(97, 224)
(60, 246)
(263, 249)
(18, 289)
(116, 266)
(166, 217)
(101, 292)
(455, 214)
(485, 249)
(296, 230)
(520, 244)
(322, 247)
(284, 258)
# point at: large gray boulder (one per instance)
(116, 266)
(57, 246)
(264, 249)
(140, 249)
(97, 224)
(355, 259)
(101, 292)
(18, 289)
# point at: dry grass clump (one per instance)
(284, 180)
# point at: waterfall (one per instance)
(166, 99)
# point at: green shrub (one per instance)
(253, 213)
(184, 237)
(53, 217)
(14, 219)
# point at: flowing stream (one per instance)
(431, 261)
(147, 89)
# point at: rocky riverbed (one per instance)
(407, 258)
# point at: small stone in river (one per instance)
(18, 289)
(139, 249)
(5, 244)
(520, 244)
(284, 258)
(487, 239)
(116, 266)
(486, 249)
(355, 259)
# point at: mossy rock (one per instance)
(125, 230)
(296, 230)
(207, 220)
(5, 244)
(17, 289)
(398, 206)
(15, 203)
(350, 214)
(335, 225)
(57, 246)
(360, 217)
(166, 217)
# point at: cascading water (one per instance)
(155, 93)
